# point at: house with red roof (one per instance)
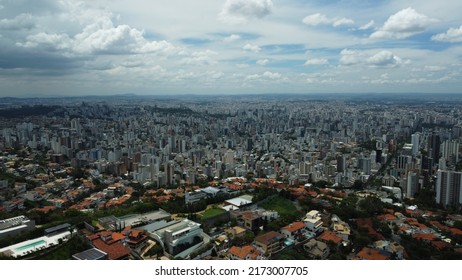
(371, 254)
(247, 252)
(328, 236)
(111, 243)
(294, 230)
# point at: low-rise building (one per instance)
(248, 252)
(15, 226)
(270, 242)
(179, 236)
(313, 221)
(317, 249)
(294, 230)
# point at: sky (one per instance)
(161, 47)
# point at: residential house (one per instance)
(111, 243)
(313, 221)
(294, 231)
(270, 242)
(235, 232)
(135, 239)
(371, 254)
(330, 237)
(317, 249)
(340, 228)
(251, 220)
(247, 252)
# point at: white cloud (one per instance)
(403, 24)
(201, 58)
(231, 38)
(99, 35)
(252, 48)
(349, 57)
(316, 61)
(321, 19)
(267, 75)
(272, 75)
(53, 41)
(453, 35)
(241, 11)
(384, 59)
(262, 62)
(22, 21)
(434, 68)
(367, 26)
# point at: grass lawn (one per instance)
(212, 212)
(281, 205)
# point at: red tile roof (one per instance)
(114, 251)
(455, 231)
(327, 236)
(244, 252)
(440, 245)
(371, 254)
(294, 226)
(424, 236)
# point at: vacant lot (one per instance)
(212, 212)
(282, 205)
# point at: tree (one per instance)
(358, 185)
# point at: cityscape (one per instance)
(249, 177)
(274, 131)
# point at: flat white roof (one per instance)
(238, 201)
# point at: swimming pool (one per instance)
(30, 246)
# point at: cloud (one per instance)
(453, 35)
(403, 24)
(367, 26)
(101, 36)
(201, 58)
(272, 75)
(252, 48)
(52, 41)
(267, 75)
(383, 58)
(22, 21)
(316, 61)
(262, 62)
(231, 38)
(349, 57)
(434, 68)
(321, 19)
(241, 11)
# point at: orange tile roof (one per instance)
(330, 236)
(388, 217)
(455, 231)
(114, 251)
(294, 226)
(440, 245)
(424, 236)
(371, 254)
(243, 252)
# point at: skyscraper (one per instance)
(415, 138)
(448, 188)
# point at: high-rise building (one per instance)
(450, 151)
(412, 183)
(415, 138)
(448, 188)
(434, 143)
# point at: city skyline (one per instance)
(70, 48)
